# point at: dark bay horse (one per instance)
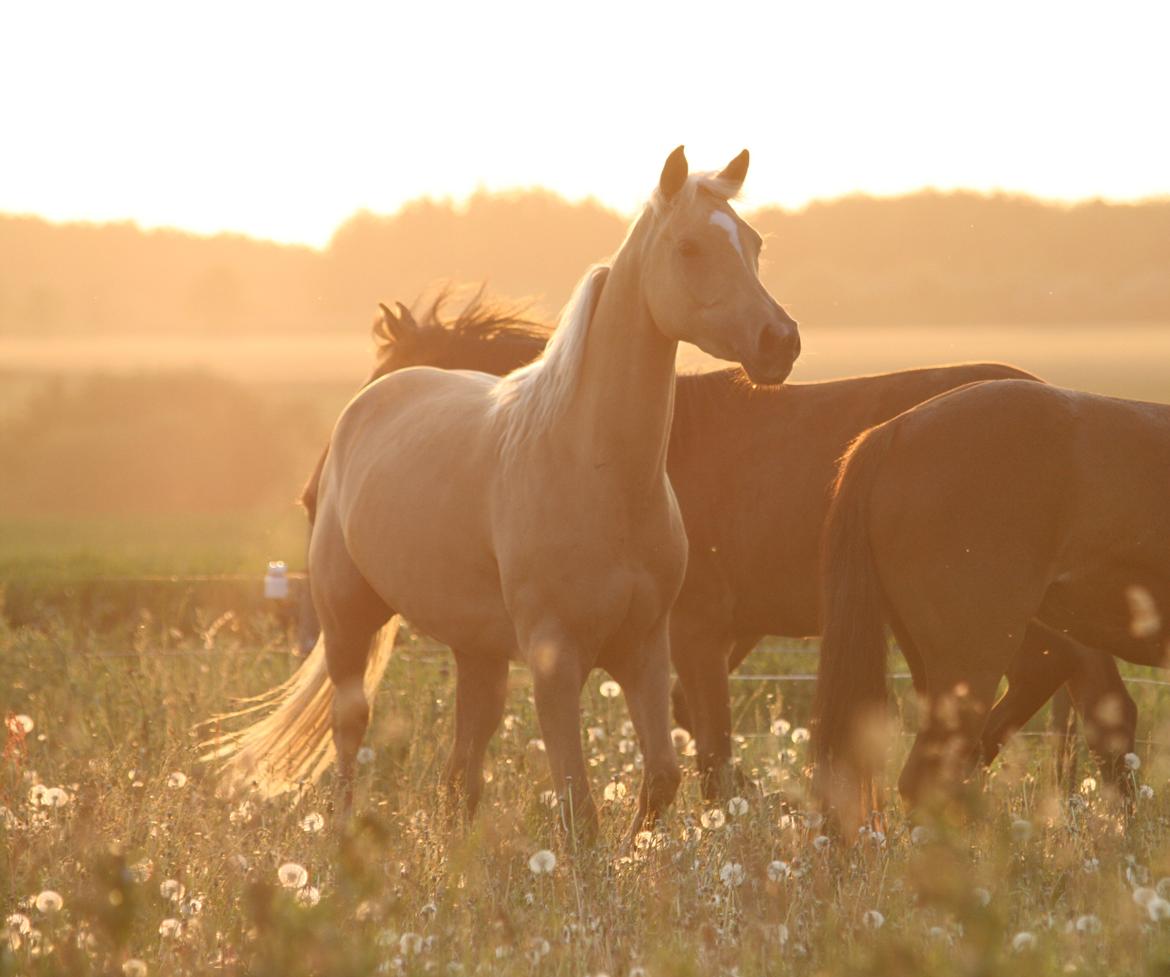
(961, 522)
(752, 469)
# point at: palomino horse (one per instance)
(531, 517)
(752, 470)
(960, 522)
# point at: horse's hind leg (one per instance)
(1108, 713)
(961, 680)
(1038, 671)
(481, 691)
(351, 614)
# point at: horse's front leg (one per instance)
(481, 692)
(645, 679)
(559, 669)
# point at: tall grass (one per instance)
(153, 871)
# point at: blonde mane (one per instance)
(532, 396)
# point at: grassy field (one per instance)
(117, 857)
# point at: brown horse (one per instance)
(958, 524)
(530, 517)
(752, 470)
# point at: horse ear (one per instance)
(735, 171)
(674, 173)
(397, 327)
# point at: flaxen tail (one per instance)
(291, 745)
(850, 706)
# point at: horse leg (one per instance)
(1108, 713)
(351, 614)
(1038, 671)
(701, 652)
(679, 706)
(558, 675)
(646, 684)
(481, 691)
(961, 683)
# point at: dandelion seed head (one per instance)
(21, 724)
(1088, 924)
(609, 689)
(1132, 761)
(1024, 941)
(1146, 792)
(1158, 909)
(176, 780)
(713, 819)
(134, 968)
(982, 896)
(732, 875)
(777, 871)
(615, 790)
(170, 928)
(800, 735)
(18, 923)
(737, 806)
(172, 889)
(308, 896)
(312, 823)
(292, 875)
(1143, 894)
(872, 919)
(680, 738)
(1021, 830)
(365, 756)
(49, 902)
(542, 862)
(821, 842)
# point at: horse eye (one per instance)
(688, 249)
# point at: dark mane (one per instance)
(480, 321)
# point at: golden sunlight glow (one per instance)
(281, 120)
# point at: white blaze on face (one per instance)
(727, 222)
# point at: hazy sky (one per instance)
(281, 119)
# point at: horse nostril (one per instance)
(778, 341)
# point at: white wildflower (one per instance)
(1024, 941)
(1088, 924)
(49, 902)
(731, 874)
(713, 819)
(292, 876)
(542, 862)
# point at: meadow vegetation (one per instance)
(118, 858)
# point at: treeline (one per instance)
(928, 258)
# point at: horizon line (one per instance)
(460, 204)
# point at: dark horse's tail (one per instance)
(849, 709)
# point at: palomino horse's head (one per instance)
(701, 273)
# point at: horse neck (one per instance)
(622, 407)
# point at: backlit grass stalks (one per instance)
(117, 858)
